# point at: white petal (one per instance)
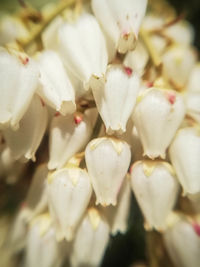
(19, 79)
(83, 48)
(115, 96)
(137, 59)
(107, 161)
(121, 20)
(157, 116)
(194, 79)
(91, 240)
(156, 190)
(68, 135)
(25, 141)
(118, 215)
(55, 87)
(183, 244)
(69, 192)
(178, 62)
(36, 199)
(42, 248)
(184, 154)
(193, 105)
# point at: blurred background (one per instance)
(123, 250)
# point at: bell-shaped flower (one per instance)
(83, 48)
(178, 62)
(107, 161)
(25, 141)
(10, 169)
(194, 79)
(156, 190)
(184, 154)
(68, 135)
(17, 235)
(120, 20)
(137, 59)
(182, 241)
(19, 79)
(42, 248)
(193, 105)
(36, 199)
(115, 96)
(91, 240)
(55, 87)
(157, 116)
(118, 216)
(69, 192)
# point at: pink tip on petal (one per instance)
(128, 71)
(196, 227)
(78, 119)
(23, 205)
(149, 84)
(171, 97)
(24, 60)
(57, 114)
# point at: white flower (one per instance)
(118, 216)
(55, 87)
(121, 20)
(83, 49)
(157, 116)
(156, 190)
(194, 79)
(69, 192)
(137, 59)
(19, 79)
(25, 141)
(115, 97)
(184, 154)
(107, 161)
(42, 249)
(68, 135)
(178, 62)
(193, 105)
(183, 243)
(91, 240)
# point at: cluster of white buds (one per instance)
(105, 103)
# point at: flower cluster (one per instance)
(115, 93)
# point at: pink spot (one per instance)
(196, 228)
(24, 60)
(23, 205)
(125, 36)
(78, 119)
(171, 98)
(128, 71)
(57, 114)
(130, 169)
(149, 84)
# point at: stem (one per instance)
(37, 30)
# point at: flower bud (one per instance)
(120, 20)
(25, 141)
(55, 87)
(115, 96)
(19, 79)
(178, 62)
(137, 59)
(83, 48)
(184, 154)
(69, 192)
(157, 116)
(118, 216)
(91, 240)
(42, 248)
(156, 190)
(68, 135)
(107, 161)
(183, 243)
